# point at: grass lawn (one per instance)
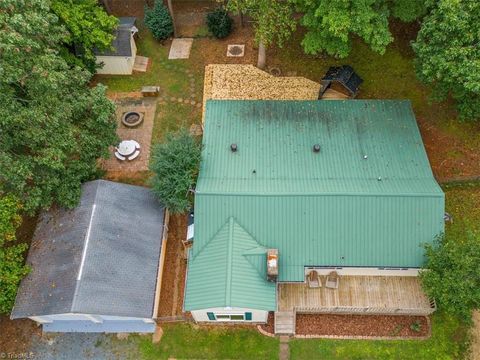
(448, 341)
(183, 341)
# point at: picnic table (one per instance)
(127, 150)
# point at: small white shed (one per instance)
(119, 60)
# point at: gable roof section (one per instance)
(99, 258)
(367, 199)
(228, 272)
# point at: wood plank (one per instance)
(359, 294)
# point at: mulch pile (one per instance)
(270, 325)
(361, 325)
(174, 269)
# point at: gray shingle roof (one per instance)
(117, 231)
(121, 45)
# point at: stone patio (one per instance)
(142, 134)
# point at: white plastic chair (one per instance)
(120, 157)
(134, 155)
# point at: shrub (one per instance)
(175, 166)
(416, 326)
(219, 23)
(159, 21)
(12, 268)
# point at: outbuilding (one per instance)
(120, 58)
(97, 267)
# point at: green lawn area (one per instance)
(183, 341)
(448, 341)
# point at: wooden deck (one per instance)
(358, 294)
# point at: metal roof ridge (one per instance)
(85, 247)
(393, 194)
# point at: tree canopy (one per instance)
(53, 126)
(12, 269)
(89, 27)
(175, 166)
(272, 19)
(331, 23)
(448, 52)
(453, 276)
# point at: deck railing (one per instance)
(366, 310)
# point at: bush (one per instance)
(219, 23)
(12, 268)
(159, 21)
(452, 275)
(175, 166)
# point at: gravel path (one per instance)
(73, 346)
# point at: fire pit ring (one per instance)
(132, 118)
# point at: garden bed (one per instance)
(362, 325)
(269, 327)
(175, 267)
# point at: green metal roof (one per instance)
(227, 271)
(368, 198)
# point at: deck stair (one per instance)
(285, 322)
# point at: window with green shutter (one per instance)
(248, 316)
(211, 316)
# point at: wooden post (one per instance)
(241, 20)
(262, 55)
(170, 9)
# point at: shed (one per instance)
(341, 80)
(120, 58)
(97, 267)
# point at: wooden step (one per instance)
(285, 322)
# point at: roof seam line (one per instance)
(228, 287)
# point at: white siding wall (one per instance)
(115, 65)
(258, 316)
(352, 271)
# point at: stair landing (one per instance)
(285, 322)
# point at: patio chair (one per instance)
(120, 157)
(332, 280)
(313, 279)
(134, 155)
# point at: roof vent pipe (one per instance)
(233, 147)
(316, 148)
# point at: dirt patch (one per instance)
(450, 157)
(361, 325)
(475, 347)
(17, 335)
(175, 268)
(269, 326)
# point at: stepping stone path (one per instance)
(284, 353)
(180, 49)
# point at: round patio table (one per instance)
(128, 147)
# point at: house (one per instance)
(119, 60)
(97, 267)
(340, 191)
